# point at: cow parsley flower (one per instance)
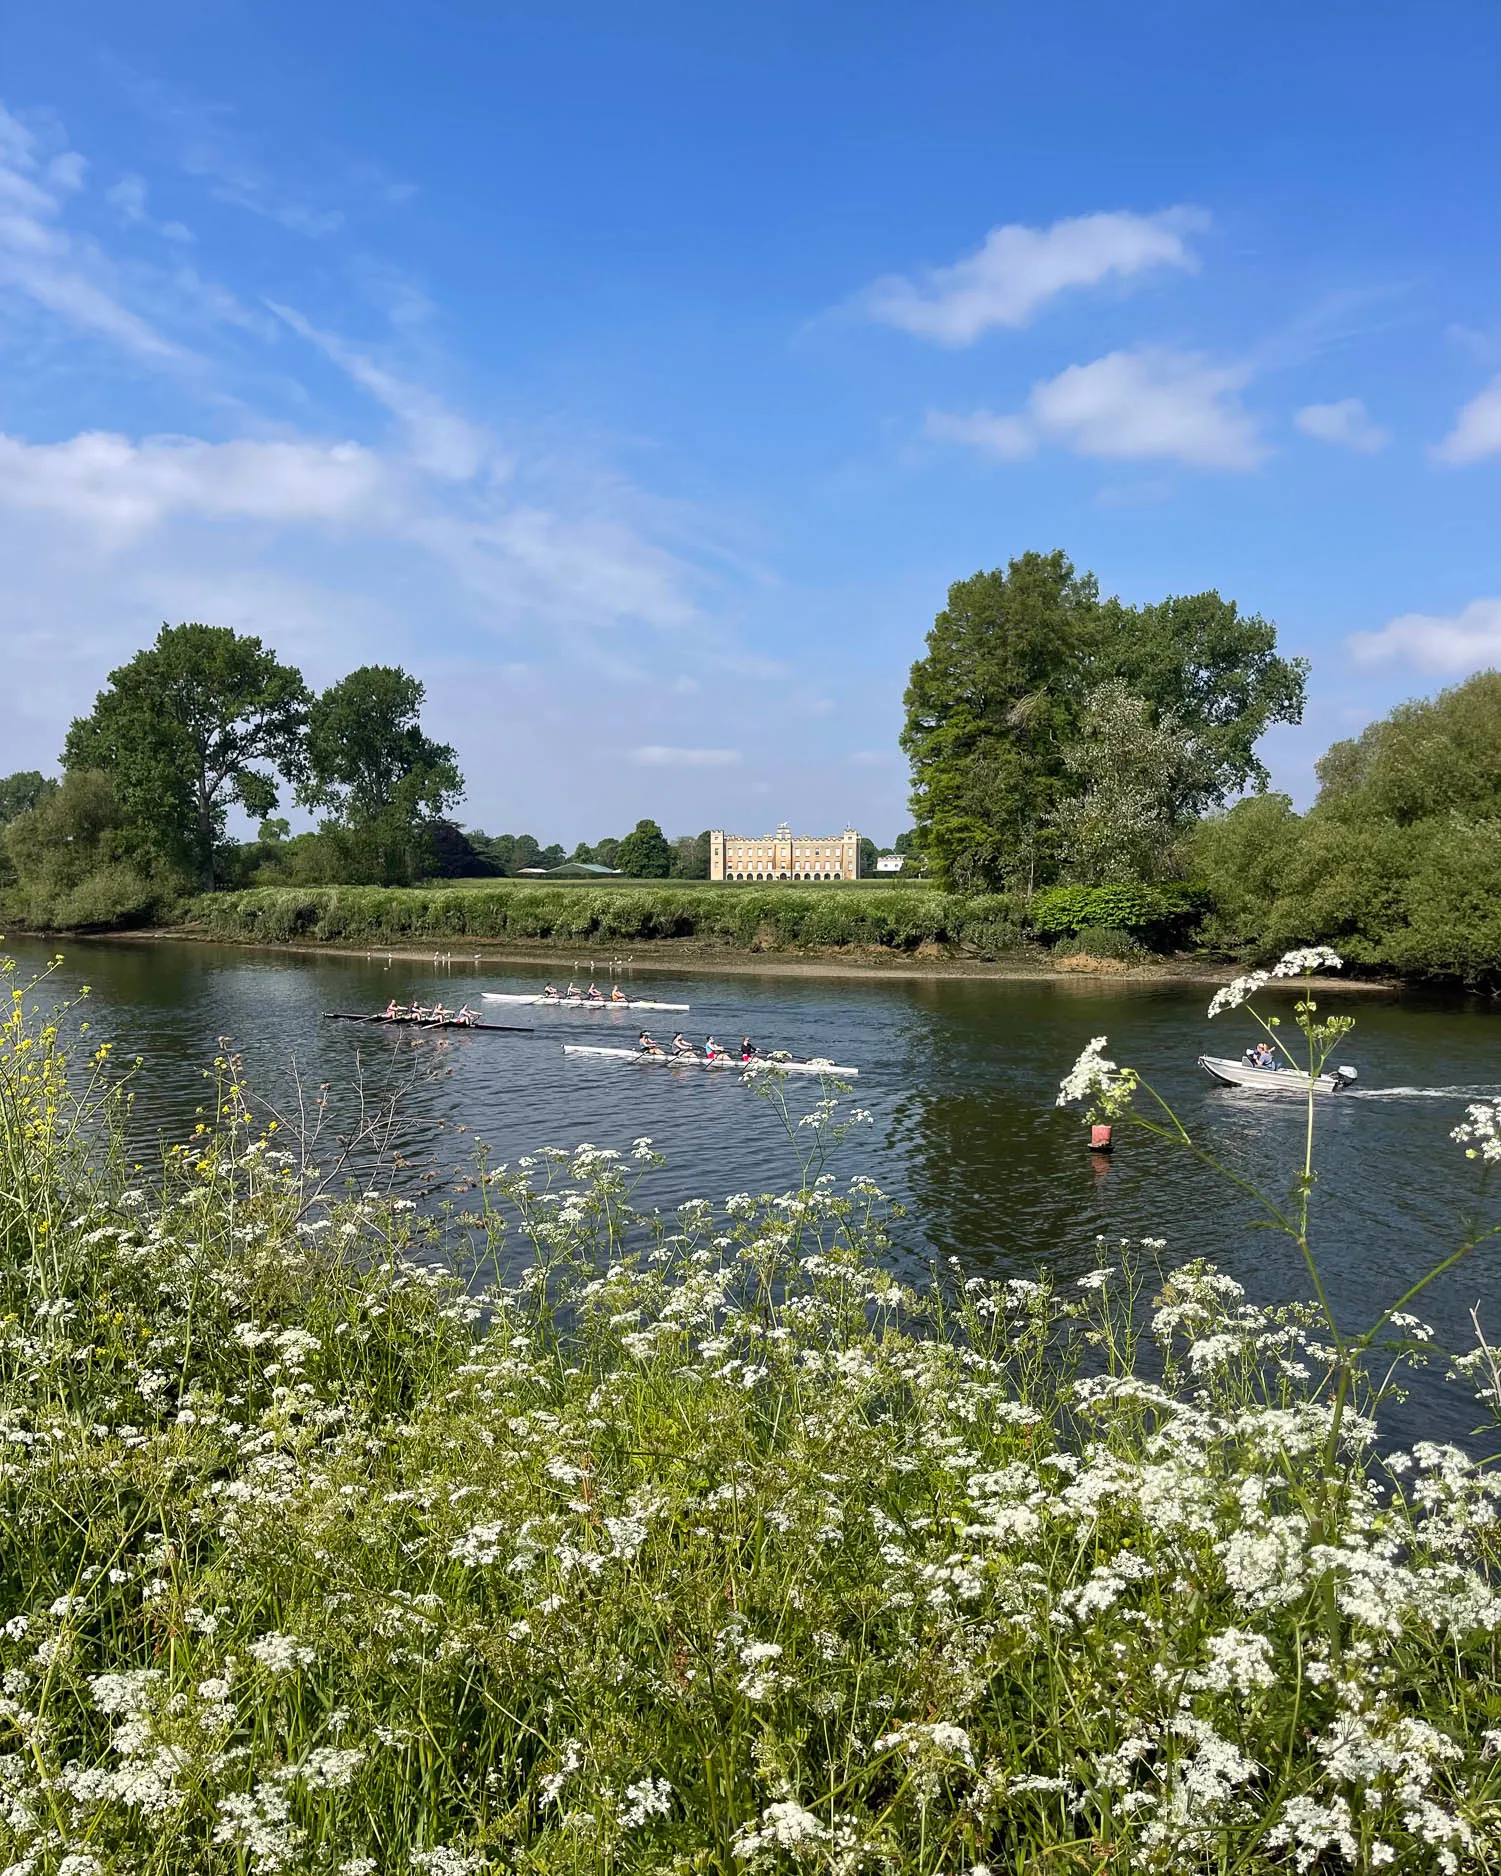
(1480, 1135)
(1093, 1073)
(282, 1653)
(1235, 993)
(1310, 958)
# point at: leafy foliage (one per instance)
(76, 862)
(1137, 778)
(1397, 864)
(190, 725)
(1000, 696)
(644, 853)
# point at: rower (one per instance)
(550, 990)
(415, 1009)
(648, 1045)
(712, 1050)
(439, 1014)
(617, 995)
(574, 993)
(391, 1011)
(682, 1046)
(748, 1049)
(594, 994)
(465, 1016)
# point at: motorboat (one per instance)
(1280, 1079)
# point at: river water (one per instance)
(959, 1075)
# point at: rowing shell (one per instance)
(425, 1022)
(757, 1065)
(577, 1003)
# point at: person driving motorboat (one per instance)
(1261, 1055)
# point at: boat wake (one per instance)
(1481, 1091)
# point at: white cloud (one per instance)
(1347, 423)
(105, 481)
(1477, 429)
(443, 442)
(1469, 641)
(41, 261)
(1017, 270)
(1128, 406)
(128, 199)
(662, 756)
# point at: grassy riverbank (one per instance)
(704, 1543)
(787, 917)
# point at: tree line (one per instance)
(1098, 760)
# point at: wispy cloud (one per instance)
(1469, 640)
(1347, 424)
(665, 756)
(128, 198)
(1017, 270)
(42, 261)
(1128, 406)
(1477, 430)
(443, 443)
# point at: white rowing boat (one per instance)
(577, 1003)
(758, 1064)
(1286, 1080)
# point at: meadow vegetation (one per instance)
(559, 1535)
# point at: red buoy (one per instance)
(1099, 1139)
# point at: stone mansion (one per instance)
(784, 855)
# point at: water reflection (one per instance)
(960, 1077)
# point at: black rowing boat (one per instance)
(425, 1022)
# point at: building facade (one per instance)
(784, 855)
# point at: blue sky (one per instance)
(640, 377)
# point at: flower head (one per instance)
(1093, 1073)
(1234, 994)
(1310, 958)
(1480, 1135)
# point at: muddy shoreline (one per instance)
(669, 956)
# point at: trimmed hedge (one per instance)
(772, 918)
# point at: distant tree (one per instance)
(690, 856)
(525, 852)
(605, 852)
(869, 853)
(552, 855)
(583, 854)
(644, 853)
(23, 791)
(903, 842)
(1435, 756)
(190, 725)
(380, 777)
(999, 695)
(75, 860)
(454, 855)
(1140, 774)
(272, 833)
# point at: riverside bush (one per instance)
(744, 917)
(703, 1542)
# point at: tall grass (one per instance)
(699, 1543)
(766, 918)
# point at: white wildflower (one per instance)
(1234, 994)
(1480, 1135)
(282, 1653)
(649, 1797)
(1093, 1073)
(782, 1826)
(1310, 958)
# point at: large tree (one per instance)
(988, 713)
(1138, 774)
(202, 718)
(644, 853)
(996, 705)
(382, 779)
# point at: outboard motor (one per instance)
(1343, 1077)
